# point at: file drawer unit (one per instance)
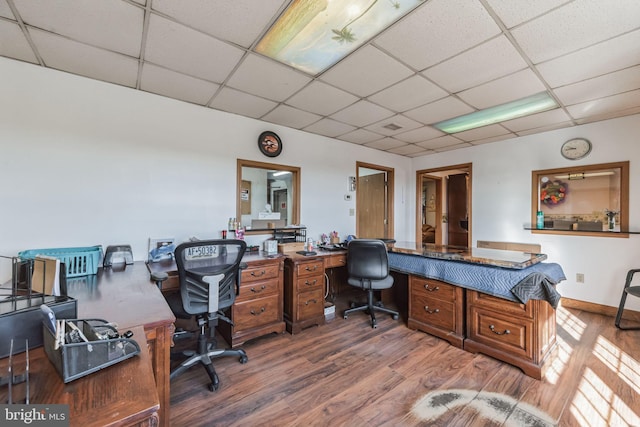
(303, 293)
(523, 335)
(257, 310)
(437, 308)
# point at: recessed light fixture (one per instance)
(312, 35)
(500, 113)
(392, 126)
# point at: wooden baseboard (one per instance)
(605, 310)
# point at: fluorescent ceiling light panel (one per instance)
(500, 113)
(312, 35)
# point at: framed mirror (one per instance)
(267, 195)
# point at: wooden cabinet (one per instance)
(257, 310)
(303, 292)
(523, 335)
(437, 308)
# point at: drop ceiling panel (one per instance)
(488, 61)
(360, 136)
(407, 94)
(539, 120)
(620, 102)
(321, 98)
(600, 87)
(362, 113)
(509, 88)
(237, 102)
(512, 13)
(418, 135)
(482, 133)
(330, 128)
(5, 11)
(175, 85)
(182, 49)
(366, 71)
(220, 18)
(385, 144)
(14, 44)
(408, 150)
(394, 125)
(67, 55)
(438, 30)
(550, 36)
(267, 78)
(111, 25)
(442, 109)
(441, 142)
(289, 116)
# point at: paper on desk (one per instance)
(46, 275)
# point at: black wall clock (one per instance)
(270, 144)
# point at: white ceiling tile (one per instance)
(321, 98)
(182, 49)
(330, 128)
(442, 109)
(535, 121)
(618, 102)
(408, 149)
(440, 142)
(546, 128)
(611, 55)
(609, 115)
(576, 25)
(222, 18)
(482, 133)
(600, 87)
(493, 139)
(267, 78)
(512, 13)
(491, 60)
(362, 113)
(385, 144)
(112, 25)
(360, 136)
(67, 55)
(424, 133)
(367, 71)
(237, 102)
(14, 44)
(452, 147)
(509, 88)
(403, 123)
(289, 116)
(437, 30)
(5, 11)
(175, 85)
(408, 94)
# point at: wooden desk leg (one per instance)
(159, 343)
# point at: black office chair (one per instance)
(368, 269)
(209, 275)
(628, 290)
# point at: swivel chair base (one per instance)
(371, 307)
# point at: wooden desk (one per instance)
(126, 296)
(123, 394)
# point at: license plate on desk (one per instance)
(200, 252)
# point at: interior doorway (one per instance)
(443, 201)
(374, 201)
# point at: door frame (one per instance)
(389, 195)
(442, 172)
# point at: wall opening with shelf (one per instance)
(589, 198)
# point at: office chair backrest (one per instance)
(367, 259)
(203, 264)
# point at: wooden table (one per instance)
(123, 394)
(126, 295)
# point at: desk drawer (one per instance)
(433, 311)
(252, 274)
(255, 312)
(421, 287)
(310, 304)
(310, 268)
(306, 283)
(513, 336)
(480, 300)
(335, 261)
(251, 290)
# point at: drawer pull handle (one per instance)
(257, 291)
(427, 288)
(311, 300)
(434, 311)
(257, 314)
(306, 282)
(493, 329)
(262, 273)
(314, 268)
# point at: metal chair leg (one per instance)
(628, 289)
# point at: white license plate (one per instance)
(199, 252)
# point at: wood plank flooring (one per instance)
(345, 373)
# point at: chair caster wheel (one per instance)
(374, 324)
(395, 317)
(215, 385)
(352, 305)
(345, 316)
(244, 359)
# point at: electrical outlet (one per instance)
(579, 277)
(352, 212)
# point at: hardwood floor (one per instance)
(346, 373)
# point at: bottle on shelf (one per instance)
(540, 220)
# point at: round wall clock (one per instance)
(270, 144)
(576, 148)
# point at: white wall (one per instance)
(85, 163)
(501, 202)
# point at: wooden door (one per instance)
(372, 206)
(457, 209)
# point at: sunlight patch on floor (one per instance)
(622, 364)
(595, 404)
(570, 323)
